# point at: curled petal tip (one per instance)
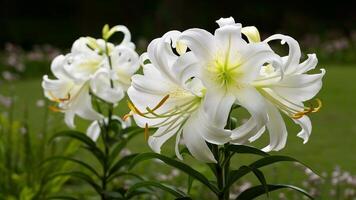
(225, 21)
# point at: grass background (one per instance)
(332, 143)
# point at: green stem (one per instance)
(222, 167)
(105, 135)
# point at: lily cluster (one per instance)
(190, 83)
(94, 67)
(192, 79)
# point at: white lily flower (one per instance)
(229, 66)
(94, 129)
(110, 84)
(72, 98)
(231, 70)
(285, 89)
(87, 68)
(168, 96)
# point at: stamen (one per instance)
(311, 109)
(59, 100)
(134, 109)
(146, 133)
(54, 109)
(302, 113)
(320, 104)
(161, 102)
(65, 99)
(127, 116)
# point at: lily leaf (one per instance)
(79, 175)
(62, 197)
(119, 174)
(176, 164)
(90, 145)
(259, 174)
(75, 135)
(167, 188)
(256, 191)
(265, 161)
(81, 163)
(122, 162)
(245, 150)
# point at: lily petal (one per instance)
(300, 87)
(277, 130)
(195, 142)
(217, 107)
(252, 34)
(94, 130)
(69, 119)
(254, 103)
(211, 132)
(160, 137)
(306, 126)
(309, 64)
(200, 41)
(225, 21)
(294, 51)
(102, 86)
(83, 107)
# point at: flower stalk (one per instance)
(106, 130)
(222, 167)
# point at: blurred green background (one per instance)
(34, 32)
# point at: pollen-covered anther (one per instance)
(152, 111)
(59, 100)
(164, 99)
(127, 116)
(65, 99)
(308, 110)
(134, 109)
(54, 109)
(146, 133)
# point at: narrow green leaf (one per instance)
(79, 175)
(131, 129)
(140, 192)
(259, 174)
(256, 191)
(81, 163)
(245, 150)
(90, 145)
(274, 159)
(116, 151)
(265, 161)
(62, 197)
(176, 164)
(75, 135)
(114, 195)
(122, 162)
(118, 174)
(190, 183)
(167, 188)
(97, 153)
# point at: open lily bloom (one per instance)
(228, 67)
(88, 69)
(114, 78)
(111, 83)
(250, 74)
(73, 98)
(286, 89)
(168, 96)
